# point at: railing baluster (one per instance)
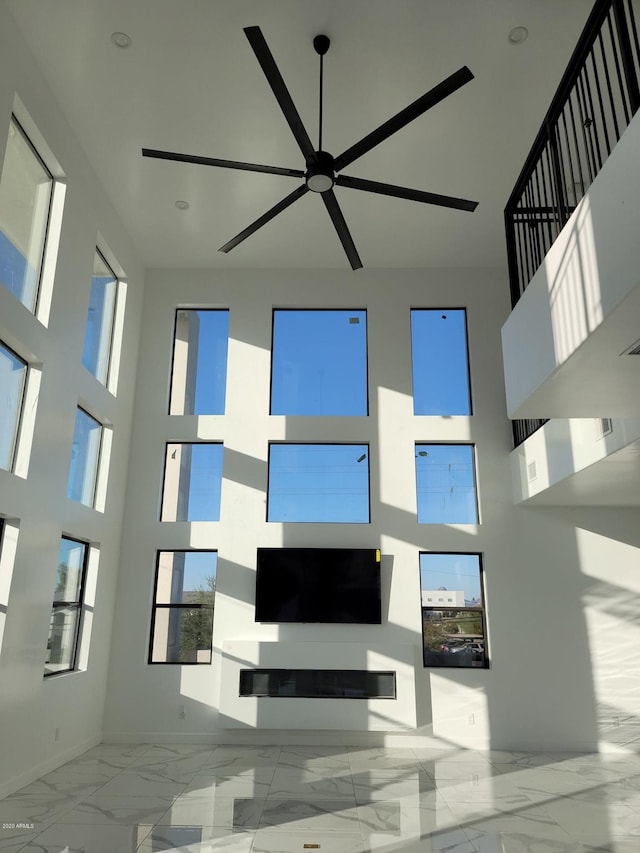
(626, 55)
(597, 97)
(609, 89)
(634, 32)
(600, 102)
(627, 116)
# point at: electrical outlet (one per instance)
(182, 713)
(472, 720)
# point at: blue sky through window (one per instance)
(13, 372)
(439, 362)
(453, 572)
(99, 329)
(445, 481)
(83, 469)
(319, 362)
(319, 482)
(199, 380)
(193, 480)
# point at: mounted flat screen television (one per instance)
(334, 585)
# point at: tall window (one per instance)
(13, 376)
(199, 373)
(446, 484)
(98, 339)
(192, 482)
(184, 596)
(64, 628)
(85, 456)
(440, 362)
(25, 201)
(318, 483)
(319, 363)
(453, 616)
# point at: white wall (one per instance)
(31, 709)
(564, 340)
(570, 462)
(539, 692)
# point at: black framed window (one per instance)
(199, 368)
(192, 481)
(446, 484)
(319, 362)
(453, 611)
(66, 613)
(184, 597)
(318, 483)
(440, 361)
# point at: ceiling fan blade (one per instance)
(408, 114)
(266, 217)
(331, 203)
(404, 192)
(274, 78)
(225, 164)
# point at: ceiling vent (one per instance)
(634, 349)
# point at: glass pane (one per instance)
(445, 480)
(452, 636)
(319, 482)
(319, 364)
(70, 570)
(84, 459)
(199, 376)
(186, 577)
(13, 373)
(192, 482)
(63, 633)
(450, 580)
(98, 335)
(25, 198)
(440, 362)
(182, 635)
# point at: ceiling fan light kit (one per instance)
(323, 171)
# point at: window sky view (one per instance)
(451, 571)
(439, 362)
(319, 363)
(319, 367)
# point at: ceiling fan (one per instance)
(323, 171)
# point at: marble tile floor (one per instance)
(290, 799)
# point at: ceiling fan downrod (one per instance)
(320, 175)
(321, 45)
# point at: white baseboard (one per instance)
(44, 767)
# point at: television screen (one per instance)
(318, 585)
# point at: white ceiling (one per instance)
(191, 83)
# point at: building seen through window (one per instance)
(64, 628)
(199, 371)
(453, 614)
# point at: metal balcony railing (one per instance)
(596, 100)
